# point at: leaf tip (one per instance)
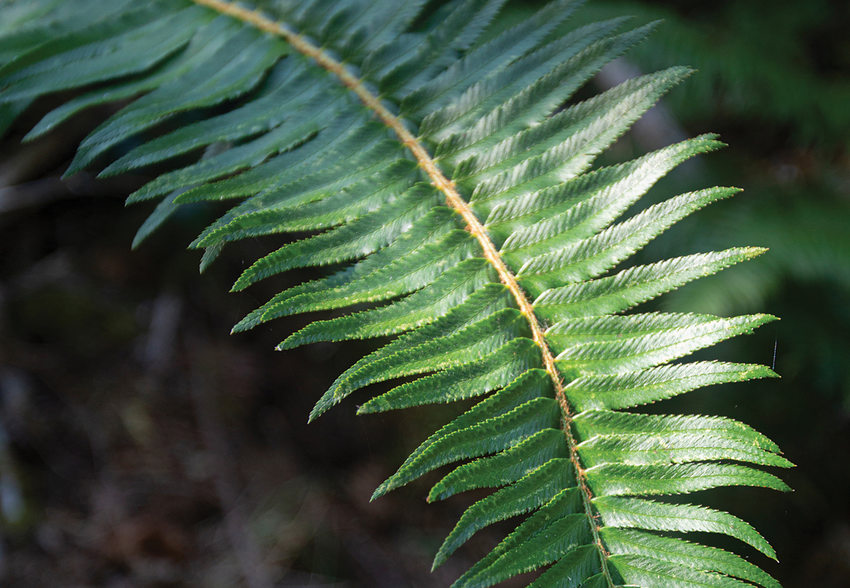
(380, 491)
(34, 134)
(111, 170)
(242, 282)
(137, 241)
(69, 172)
(367, 408)
(437, 493)
(439, 559)
(320, 408)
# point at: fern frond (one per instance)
(436, 161)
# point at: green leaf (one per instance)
(565, 503)
(615, 344)
(650, 385)
(490, 414)
(208, 39)
(422, 342)
(489, 436)
(661, 516)
(463, 381)
(601, 422)
(615, 479)
(125, 45)
(633, 286)
(509, 466)
(247, 57)
(529, 493)
(460, 347)
(642, 571)
(636, 449)
(685, 553)
(591, 257)
(571, 570)
(422, 307)
(362, 236)
(431, 158)
(578, 208)
(559, 538)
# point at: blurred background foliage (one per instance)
(142, 446)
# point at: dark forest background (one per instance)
(141, 445)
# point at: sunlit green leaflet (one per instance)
(434, 157)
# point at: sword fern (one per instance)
(432, 156)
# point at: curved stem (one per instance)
(456, 202)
